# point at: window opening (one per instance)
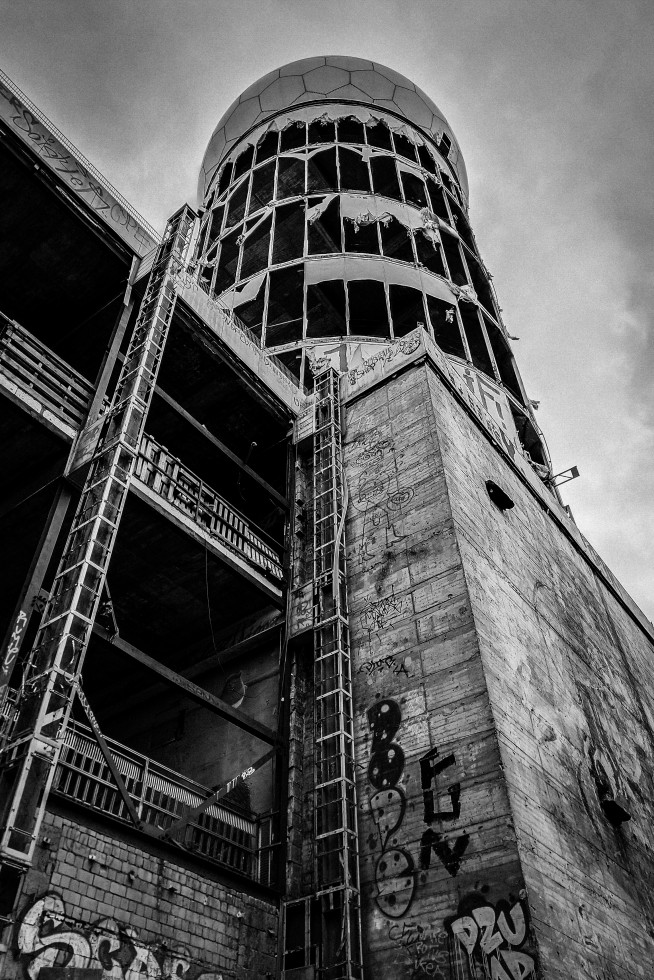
(429, 254)
(407, 309)
(445, 144)
(237, 204)
(447, 332)
(404, 147)
(480, 282)
(379, 135)
(454, 261)
(267, 147)
(368, 308)
(350, 130)
(476, 340)
(252, 313)
(285, 300)
(243, 162)
(414, 190)
(354, 171)
(503, 358)
(290, 177)
(293, 137)
(324, 234)
(226, 271)
(462, 226)
(384, 177)
(326, 309)
(361, 237)
(291, 359)
(447, 181)
(321, 171)
(225, 178)
(256, 247)
(437, 201)
(322, 131)
(214, 227)
(427, 161)
(289, 232)
(396, 242)
(263, 186)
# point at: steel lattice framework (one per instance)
(51, 677)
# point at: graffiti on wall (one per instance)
(394, 870)
(487, 943)
(382, 665)
(450, 853)
(45, 938)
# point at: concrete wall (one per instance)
(571, 681)
(442, 887)
(132, 916)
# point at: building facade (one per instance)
(307, 670)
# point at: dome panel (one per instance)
(349, 92)
(373, 84)
(324, 80)
(394, 76)
(243, 116)
(349, 64)
(301, 67)
(281, 92)
(410, 104)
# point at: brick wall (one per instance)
(94, 902)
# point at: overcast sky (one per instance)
(553, 105)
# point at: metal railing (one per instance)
(39, 371)
(165, 474)
(161, 796)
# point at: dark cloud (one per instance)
(553, 105)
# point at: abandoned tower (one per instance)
(307, 672)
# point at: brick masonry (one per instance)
(95, 902)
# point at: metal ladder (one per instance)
(51, 676)
(336, 858)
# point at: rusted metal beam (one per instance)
(160, 832)
(109, 759)
(196, 693)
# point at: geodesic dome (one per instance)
(330, 78)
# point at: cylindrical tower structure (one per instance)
(337, 220)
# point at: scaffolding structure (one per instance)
(51, 676)
(336, 858)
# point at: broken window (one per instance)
(350, 131)
(243, 162)
(384, 177)
(237, 204)
(447, 180)
(368, 309)
(445, 324)
(354, 171)
(427, 161)
(321, 131)
(480, 283)
(290, 177)
(462, 226)
(289, 232)
(361, 237)
(503, 358)
(252, 313)
(225, 178)
(396, 241)
(404, 147)
(292, 360)
(476, 340)
(407, 309)
(256, 247)
(263, 185)
(414, 190)
(445, 145)
(226, 271)
(292, 137)
(454, 261)
(324, 234)
(326, 309)
(321, 172)
(429, 254)
(216, 220)
(379, 135)
(437, 201)
(285, 299)
(267, 147)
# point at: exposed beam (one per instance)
(215, 441)
(196, 693)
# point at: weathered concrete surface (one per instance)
(92, 901)
(435, 825)
(487, 648)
